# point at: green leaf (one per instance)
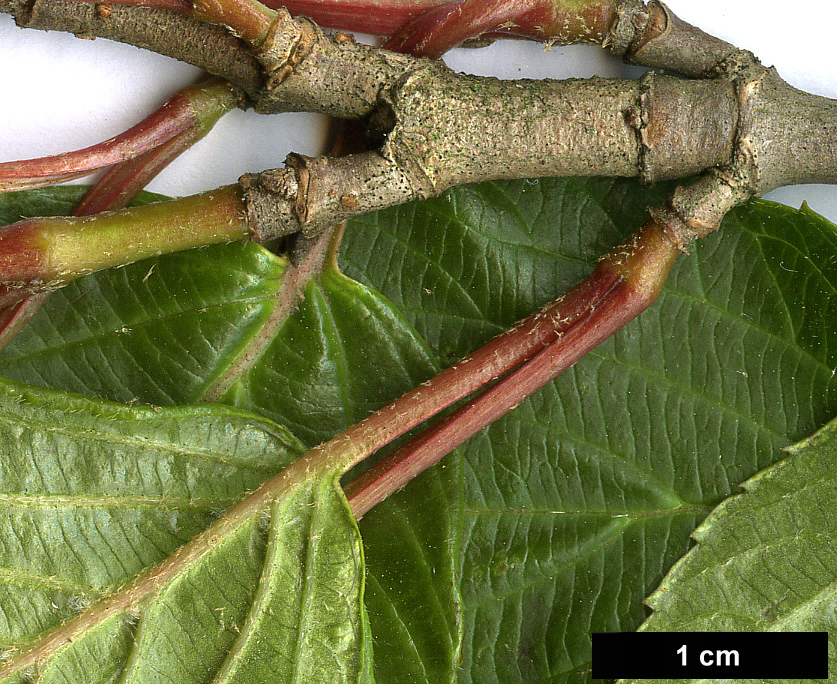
(93, 493)
(309, 624)
(577, 503)
(764, 559)
(466, 266)
(344, 353)
(558, 520)
(163, 330)
(412, 593)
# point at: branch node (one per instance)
(268, 199)
(683, 126)
(747, 74)
(631, 18)
(695, 211)
(299, 163)
(287, 43)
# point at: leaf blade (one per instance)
(181, 620)
(764, 559)
(291, 382)
(658, 424)
(654, 427)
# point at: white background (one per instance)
(62, 93)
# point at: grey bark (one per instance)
(436, 129)
(211, 48)
(652, 35)
(442, 129)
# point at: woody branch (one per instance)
(431, 129)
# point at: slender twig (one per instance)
(188, 115)
(186, 118)
(445, 26)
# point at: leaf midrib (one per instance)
(617, 531)
(143, 444)
(632, 516)
(110, 501)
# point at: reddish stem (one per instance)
(624, 284)
(434, 32)
(207, 103)
(378, 17)
(194, 109)
(199, 108)
(124, 181)
(164, 124)
(431, 27)
(437, 30)
(470, 374)
(14, 318)
(442, 24)
(365, 16)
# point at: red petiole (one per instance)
(192, 111)
(154, 143)
(623, 285)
